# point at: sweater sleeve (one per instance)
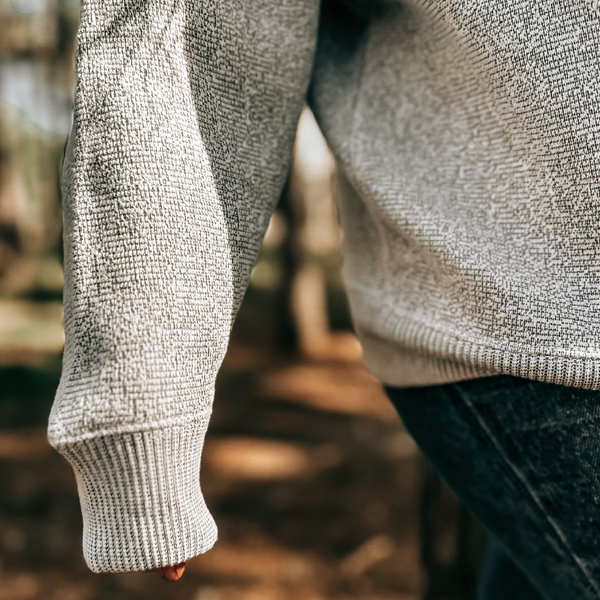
(184, 120)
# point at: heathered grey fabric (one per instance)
(467, 135)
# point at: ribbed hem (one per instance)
(403, 353)
(140, 498)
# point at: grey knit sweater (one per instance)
(467, 135)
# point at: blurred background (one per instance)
(318, 491)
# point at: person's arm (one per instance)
(185, 113)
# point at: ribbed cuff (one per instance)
(140, 498)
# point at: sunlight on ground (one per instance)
(260, 459)
(30, 331)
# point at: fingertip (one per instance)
(179, 569)
(172, 573)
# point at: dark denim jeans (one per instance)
(524, 457)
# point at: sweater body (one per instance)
(467, 137)
(468, 141)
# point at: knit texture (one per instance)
(141, 497)
(467, 136)
(184, 122)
